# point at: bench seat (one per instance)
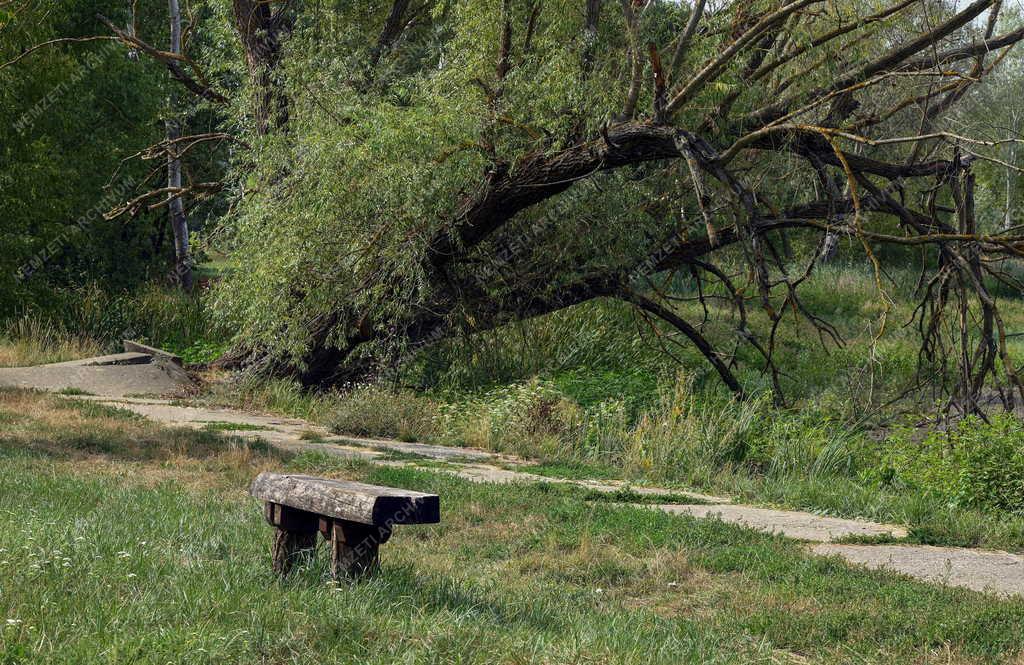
(355, 518)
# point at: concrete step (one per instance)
(159, 355)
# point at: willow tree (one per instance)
(446, 168)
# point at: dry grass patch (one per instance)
(96, 436)
(226, 474)
(30, 341)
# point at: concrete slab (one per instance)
(173, 414)
(1000, 573)
(108, 380)
(789, 523)
(612, 486)
(121, 401)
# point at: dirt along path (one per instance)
(113, 379)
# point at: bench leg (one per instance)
(289, 547)
(294, 535)
(355, 549)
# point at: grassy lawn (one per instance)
(123, 542)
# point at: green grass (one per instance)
(513, 574)
(623, 495)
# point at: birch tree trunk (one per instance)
(175, 207)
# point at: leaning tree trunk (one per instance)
(175, 208)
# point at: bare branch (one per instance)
(715, 67)
(199, 85)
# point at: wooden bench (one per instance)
(355, 518)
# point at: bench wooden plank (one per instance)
(348, 500)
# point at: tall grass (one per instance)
(156, 314)
(685, 434)
(31, 340)
(88, 321)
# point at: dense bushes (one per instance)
(975, 464)
(72, 117)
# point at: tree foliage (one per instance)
(71, 113)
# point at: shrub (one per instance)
(372, 410)
(203, 351)
(974, 464)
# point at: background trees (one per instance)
(71, 114)
(82, 112)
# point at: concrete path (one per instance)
(114, 378)
(483, 466)
(1000, 573)
(790, 523)
(298, 435)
